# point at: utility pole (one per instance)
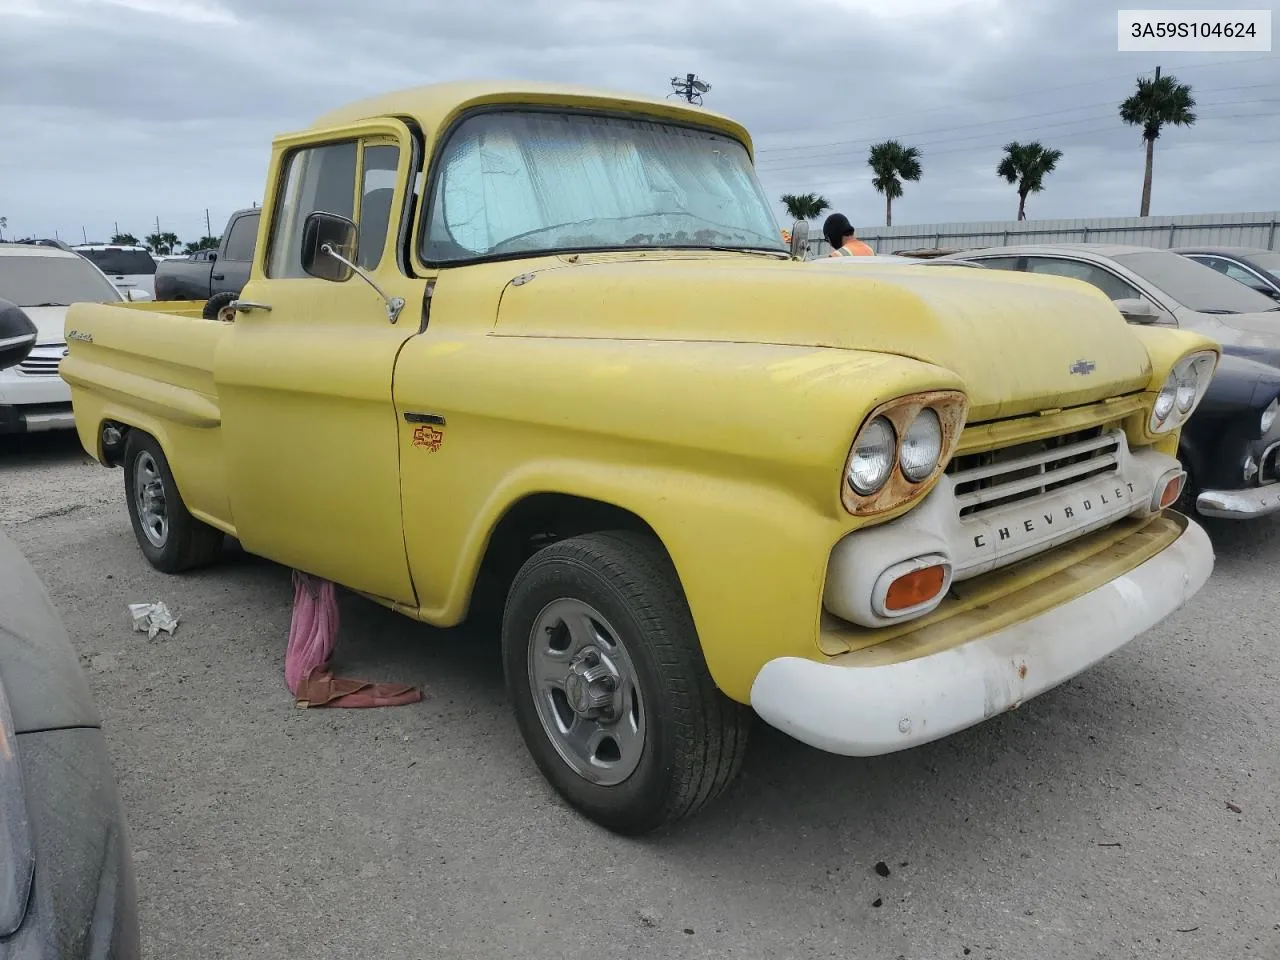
(83, 234)
(208, 231)
(689, 87)
(117, 226)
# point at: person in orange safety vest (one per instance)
(839, 233)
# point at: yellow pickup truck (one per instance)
(547, 340)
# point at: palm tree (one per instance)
(1157, 102)
(161, 242)
(892, 163)
(124, 239)
(804, 206)
(1027, 164)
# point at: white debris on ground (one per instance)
(152, 618)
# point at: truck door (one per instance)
(231, 269)
(304, 379)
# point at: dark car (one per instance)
(66, 872)
(1254, 267)
(1230, 447)
(220, 273)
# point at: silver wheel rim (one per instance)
(149, 498)
(586, 691)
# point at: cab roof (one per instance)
(436, 105)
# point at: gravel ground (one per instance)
(1093, 822)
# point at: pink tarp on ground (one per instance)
(312, 634)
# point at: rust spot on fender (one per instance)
(1022, 671)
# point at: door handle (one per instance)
(243, 306)
(219, 276)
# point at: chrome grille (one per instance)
(996, 478)
(43, 362)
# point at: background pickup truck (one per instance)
(541, 350)
(208, 273)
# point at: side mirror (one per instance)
(1137, 310)
(323, 235)
(799, 239)
(17, 335)
(213, 255)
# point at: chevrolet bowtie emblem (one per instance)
(1083, 367)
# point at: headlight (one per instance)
(900, 450)
(921, 446)
(873, 456)
(1182, 391)
(1269, 414)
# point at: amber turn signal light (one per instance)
(915, 588)
(1172, 490)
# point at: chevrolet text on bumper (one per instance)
(853, 706)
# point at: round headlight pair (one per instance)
(1182, 390)
(877, 449)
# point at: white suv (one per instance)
(44, 281)
(132, 269)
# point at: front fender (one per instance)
(751, 558)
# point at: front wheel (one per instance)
(610, 688)
(171, 539)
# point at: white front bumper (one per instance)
(866, 711)
(42, 400)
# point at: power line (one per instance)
(993, 145)
(826, 154)
(1013, 96)
(1028, 116)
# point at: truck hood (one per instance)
(1017, 341)
(48, 321)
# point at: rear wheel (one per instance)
(610, 688)
(170, 538)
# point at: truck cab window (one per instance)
(241, 238)
(315, 178)
(377, 189)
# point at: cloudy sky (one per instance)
(122, 111)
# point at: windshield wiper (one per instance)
(49, 304)
(756, 251)
(1217, 311)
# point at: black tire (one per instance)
(1186, 502)
(186, 542)
(216, 303)
(694, 736)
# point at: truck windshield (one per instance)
(528, 182)
(53, 281)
